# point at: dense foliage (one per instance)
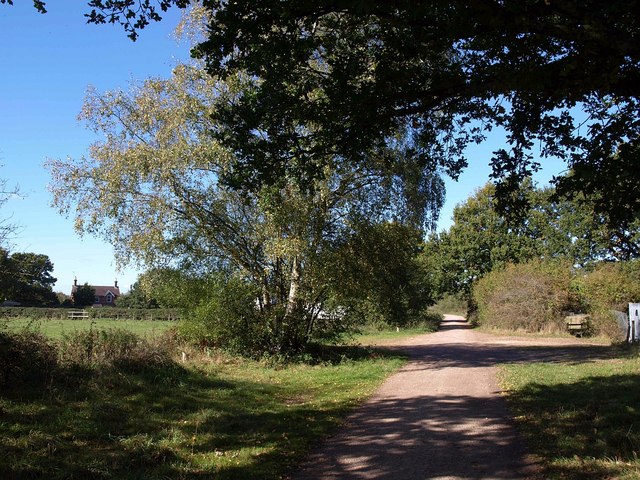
(482, 239)
(559, 74)
(535, 296)
(26, 278)
(157, 173)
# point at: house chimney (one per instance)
(115, 283)
(75, 281)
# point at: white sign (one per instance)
(634, 322)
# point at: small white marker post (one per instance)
(634, 323)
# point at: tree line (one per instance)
(288, 174)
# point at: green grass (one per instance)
(381, 337)
(57, 328)
(582, 420)
(211, 417)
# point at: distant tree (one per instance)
(64, 299)
(84, 296)
(483, 239)
(26, 278)
(136, 297)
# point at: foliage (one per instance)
(609, 286)
(451, 303)
(157, 174)
(84, 296)
(482, 239)
(26, 278)
(228, 318)
(116, 347)
(531, 297)
(375, 275)
(136, 297)
(560, 75)
(578, 418)
(25, 355)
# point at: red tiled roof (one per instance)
(101, 290)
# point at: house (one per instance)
(105, 294)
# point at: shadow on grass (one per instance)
(162, 421)
(592, 426)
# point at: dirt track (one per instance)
(442, 416)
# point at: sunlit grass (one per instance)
(583, 419)
(56, 328)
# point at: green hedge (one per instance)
(536, 296)
(105, 312)
(531, 297)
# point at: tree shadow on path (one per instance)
(438, 434)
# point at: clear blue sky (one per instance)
(47, 63)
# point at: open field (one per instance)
(581, 419)
(57, 328)
(211, 416)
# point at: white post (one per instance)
(634, 323)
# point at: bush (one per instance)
(228, 318)
(113, 348)
(609, 286)
(531, 297)
(26, 357)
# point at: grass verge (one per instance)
(582, 420)
(210, 416)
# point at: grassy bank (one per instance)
(56, 328)
(583, 420)
(210, 416)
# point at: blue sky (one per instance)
(47, 62)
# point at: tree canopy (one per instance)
(559, 75)
(155, 181)
(482, 240)
(26, 278)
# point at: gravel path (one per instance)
(442, 416)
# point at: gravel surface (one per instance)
(442, 416)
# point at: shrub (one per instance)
(114, 347)
(533, 297)
(228, 318)
(26, 357)
(609, 286)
